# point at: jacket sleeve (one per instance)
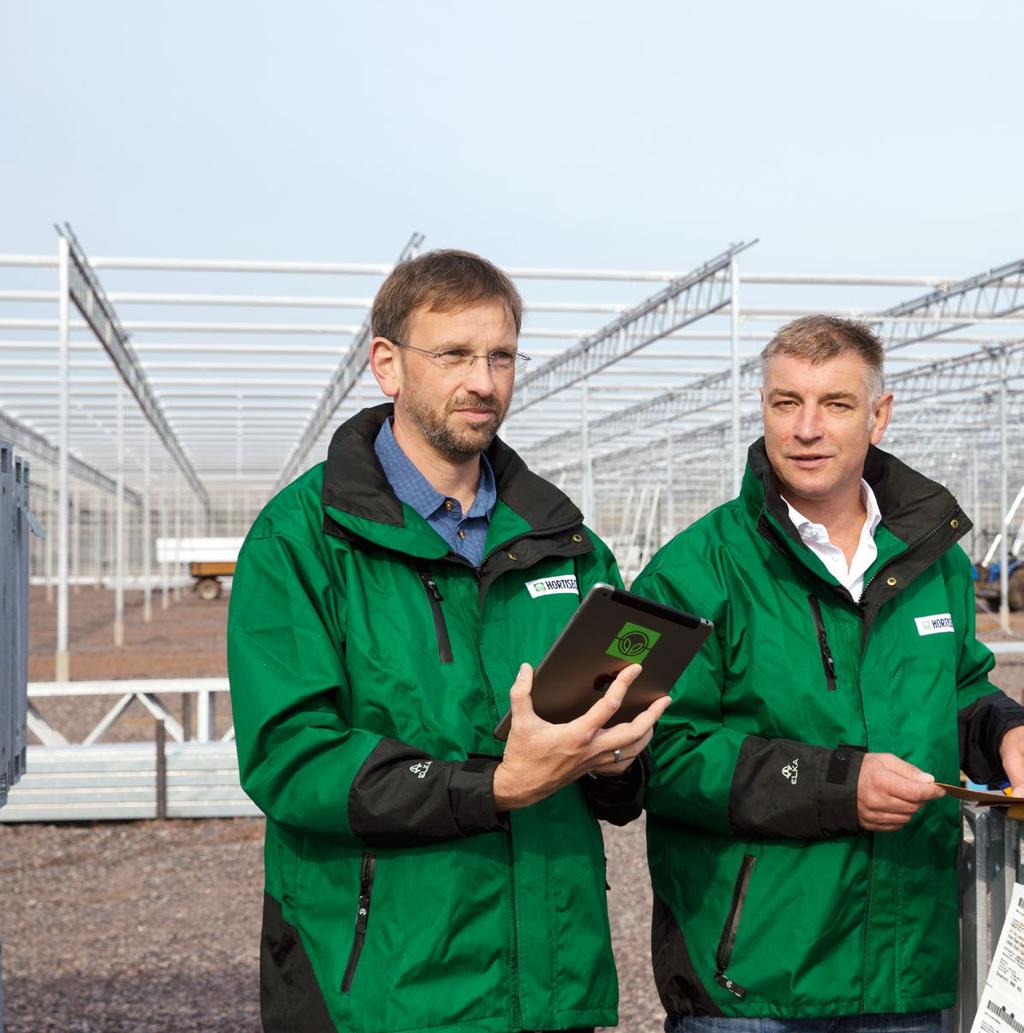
(617, 800)
(985, 713)
(301, 763)
(708, 774)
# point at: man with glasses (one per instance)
(420, 874)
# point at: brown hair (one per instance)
(820, 338)
(442, 281)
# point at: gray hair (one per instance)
(820, 338)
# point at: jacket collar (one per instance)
(354, 482)
(912, 505)
(922, 517)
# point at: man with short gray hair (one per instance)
(802, 856)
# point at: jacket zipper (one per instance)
(362, 917)
(732, 924)
(827, 660)
(434, 597)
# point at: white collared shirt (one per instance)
(815, 537)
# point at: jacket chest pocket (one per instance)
(434, 600)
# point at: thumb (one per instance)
(905, 769)
(520, 702)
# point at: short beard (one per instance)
(454, 446)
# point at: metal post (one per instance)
(670, 488)
(97, 537)
(161, 771)
(119, 533)
(734, 309)
(49, 533)
(147, 517)
(61, 663)
(975, 504)
(164, 575)
(76, 536)
(177, 533)
(588, 466)
(1004, 492)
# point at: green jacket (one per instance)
(769, 898)
(368, 669)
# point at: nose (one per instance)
(480, 378)
(809, 425)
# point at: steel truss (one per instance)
(682, 302)
(352, 366)
(88, 297)
(29, 440)
(931, 315)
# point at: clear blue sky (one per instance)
(867, 137)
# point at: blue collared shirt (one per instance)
(465, 535)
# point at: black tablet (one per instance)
(611, 630)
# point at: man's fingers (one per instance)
(605, 708)
(903, 768)
(520, 700)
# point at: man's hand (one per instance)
(541, 757)
(1011, 753)
(890, 792)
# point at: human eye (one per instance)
(783, 404)
(449, 357)
(501, 359)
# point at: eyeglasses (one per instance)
(451, 359)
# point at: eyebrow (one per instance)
(832, 396)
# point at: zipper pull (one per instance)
(432, 587)
(829, 659)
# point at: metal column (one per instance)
(588, 464)
(61, 663)
(734, 310)
(147, 517)
(119, 533)
(165, 601)
(1004, 502)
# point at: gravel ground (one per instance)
(147, 927)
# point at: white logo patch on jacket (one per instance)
(421, 768)
(564, 584)
(936, 624)
(792, 770)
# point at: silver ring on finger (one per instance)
(617, 755)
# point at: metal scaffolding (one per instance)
(641, 402)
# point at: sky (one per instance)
(875, 137)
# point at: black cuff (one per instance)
(404, 797)
(786, 789)
(837, 800)
(618, 799)
(981, 726)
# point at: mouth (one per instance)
(477, 415)
(809, 460)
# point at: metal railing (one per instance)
(991, 861)
(14, 532)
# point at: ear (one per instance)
(880, 416)
(386, 366)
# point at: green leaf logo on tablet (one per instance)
(633, 643)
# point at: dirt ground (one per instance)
(149, 927)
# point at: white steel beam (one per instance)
(89, 299)
(683, 301)
(350, 369)
(923, 318)
(29, 440)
